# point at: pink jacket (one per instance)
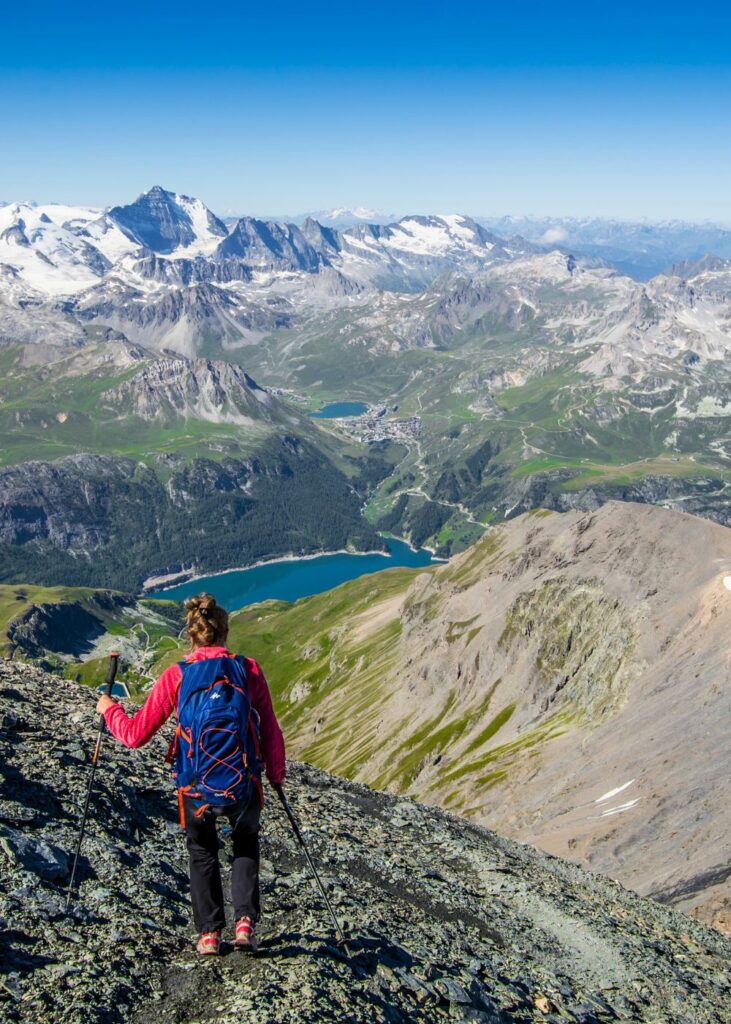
(138, 729)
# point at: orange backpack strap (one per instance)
(183, 791)
(173, 748)
(181, 808)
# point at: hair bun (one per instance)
(201, 603)
(207, 620)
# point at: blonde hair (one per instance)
(207, 621)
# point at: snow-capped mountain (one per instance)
(165, 221)
(170, 238)
(165, 272)
(416, 249)
(346, 216)
(55, 249)
(267, 245)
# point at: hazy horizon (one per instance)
(296, 215)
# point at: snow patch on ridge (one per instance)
(613, 792)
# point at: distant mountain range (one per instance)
(165, 271)
(638, 248)
(345, 217)
(530, 370)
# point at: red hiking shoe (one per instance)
(246, 934)
(209, 944)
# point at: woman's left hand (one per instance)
(104, 703)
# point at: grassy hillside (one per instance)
(72, 629)
(76, 403)
(331, 657)
(560, 661)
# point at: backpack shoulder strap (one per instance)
(240, 664)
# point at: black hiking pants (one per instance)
(205, 872)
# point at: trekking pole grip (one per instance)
(111, 672)
(108, 687)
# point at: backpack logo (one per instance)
(215, 696)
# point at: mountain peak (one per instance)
(345, 216)
(271, 245)
(174, 387)
(164, 221)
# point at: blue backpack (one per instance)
(215, 753)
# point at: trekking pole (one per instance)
(300, 839)
(111, 673)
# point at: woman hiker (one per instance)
(226, 730)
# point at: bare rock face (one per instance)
(202, 389)
(444, 920)
(61, 626)
(269, 245)
(67, 504)
(565, 680)
(173, 317)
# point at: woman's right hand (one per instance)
(104, 703)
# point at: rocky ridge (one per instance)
(201, 389)
(445, 920)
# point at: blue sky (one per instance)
(564, 108)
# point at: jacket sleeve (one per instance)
(136, 730)
(270, 733)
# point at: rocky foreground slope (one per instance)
(447, 921)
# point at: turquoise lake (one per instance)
(339, 410)
(288, 581)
